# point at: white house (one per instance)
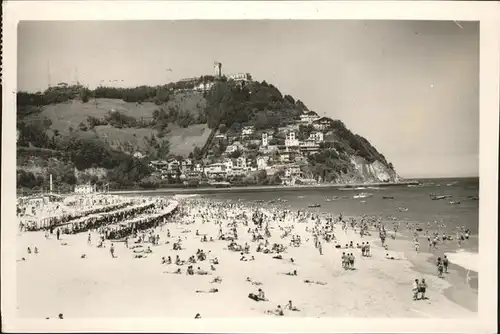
(84, 189)
(292, 170)
(266, 137)
(217, 169)
(173, 165)
(204, 86)
(241, 162)
(158, 164)
(240, 77)
(198, 167)
(285, 157)
(316, 136)
(291, 140)
(228, 163)
(262, 162)
(309, 117)
(186, 164)
(138, 155)
(248, 130)
(322, 123)
(234, 147)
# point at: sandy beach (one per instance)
(57, 280)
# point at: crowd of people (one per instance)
(250, 230)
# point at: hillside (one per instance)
(104, 135)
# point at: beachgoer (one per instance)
(422, 288)
(112, 250)
(445, 264)
(415, 289)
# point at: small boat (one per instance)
(388, 197)
(362, 202)
(435, 198)
(401, 209)
(314, 205)
(362, 195)
(474, 198)
(454, 202)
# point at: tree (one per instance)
(235, 155)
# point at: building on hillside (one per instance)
(221, 136)
(285, 157)
(234, 147)
(309, 117)
(269, 149)
(248, 130)
(266, 137)
(293, 170)
(138, 155)
(262, 162)
(85, 189)
(158, 164)
(316, 136)
(322, 124)
(241, 162)
(198, 167)
(229, 163)
(173, 165)
(236, 171)
(215, 170)
(186, 164)
(204, 86)
(240, 77)
(308, 147)
(217, 69)
(291, 140)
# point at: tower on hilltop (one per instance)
(217, 69)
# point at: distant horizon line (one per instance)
(440, 177)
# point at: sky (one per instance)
(410, 87)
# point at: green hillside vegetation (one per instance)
(74, 127)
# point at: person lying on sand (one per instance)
(314, 282)
(260, 296)
(215, 260)
(202, 272)
(278, 257)
(290, 306)
(139, 256)
(209, 291)
(22, 259)
(278, 311)
(391, 257)
(218, 280)
(197, 316)
(212, 267)
(178, 271)
(293, 273)
(83, 256)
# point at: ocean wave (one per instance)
(185, 195)
(465, 259)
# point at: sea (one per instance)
(411, 204)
